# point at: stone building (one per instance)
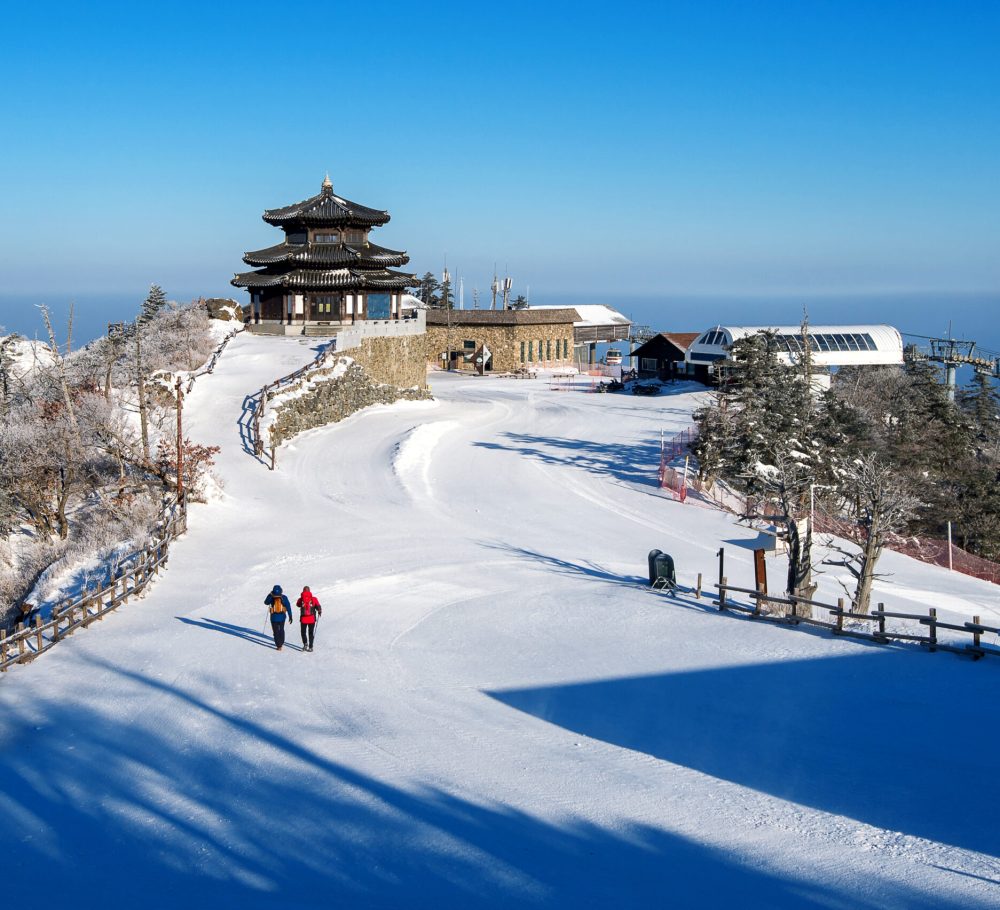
(326, 272)
(507, 340)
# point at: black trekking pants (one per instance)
(279, 633)
(308, 632)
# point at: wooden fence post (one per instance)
(56, 618)
(933, 629)
(881, 619)
(3, 649)
(761, 590)
(20, 645)
(697, 591)
(722, 595)
(38, 631)
(975, 632)
(840, 614)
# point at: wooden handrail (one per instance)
(63, 621)
(264, 394)
(882, 635)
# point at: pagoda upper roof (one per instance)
(327, 279)
(313, 255)
(325, 208)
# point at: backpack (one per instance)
(277, 605)
(309, 604)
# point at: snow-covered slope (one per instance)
(498, 711)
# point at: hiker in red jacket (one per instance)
(309, 610)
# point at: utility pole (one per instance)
(446, 280)
(180, 441)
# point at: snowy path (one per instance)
(498, 712)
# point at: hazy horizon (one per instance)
(972, 316)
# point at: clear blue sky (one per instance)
(599, 149)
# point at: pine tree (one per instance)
(446, 301)
(427, 290)
(760, 436)
(155, 301)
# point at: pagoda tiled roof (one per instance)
(326, 208)
(327, 279)
(326, 254)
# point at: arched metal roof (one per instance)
(831, 345)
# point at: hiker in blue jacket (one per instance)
(279, 610)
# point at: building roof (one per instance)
(325, 209)
(594, 314)
(683, 340)
(830, 345)
(532, 316)
(679, 341)
(328, 279)
(324, 255)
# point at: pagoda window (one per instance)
(378, 306)
(299, 237)
(355, 237)
(326, 238)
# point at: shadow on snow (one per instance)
(920, 735)
(217, 810)
(633, 463)
(244, 632)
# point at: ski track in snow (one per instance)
(498, 711)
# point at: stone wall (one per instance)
(504, 342)
(379, 371)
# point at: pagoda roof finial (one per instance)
(327, 185)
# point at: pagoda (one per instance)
(326, 271)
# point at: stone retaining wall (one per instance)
(378, 371)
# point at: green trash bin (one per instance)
(661, 570)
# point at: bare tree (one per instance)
(879, 506)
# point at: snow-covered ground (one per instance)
(498, 711)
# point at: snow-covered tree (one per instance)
(879, 506)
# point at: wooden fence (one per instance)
(214, 359)
(874, 623)
(94, 602)
(269, 390)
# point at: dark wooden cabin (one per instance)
(662, 357)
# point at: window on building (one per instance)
(300, 237)
(649, 364)
(378, 306)
(469, 345)
(531, 351)
(326, 238)
(548, 349)
(540, 349)
(522, 352)
(565, 349)
(355, 236)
